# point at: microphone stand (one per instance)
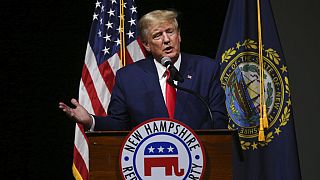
(170, 81)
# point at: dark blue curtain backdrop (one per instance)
(42, 52)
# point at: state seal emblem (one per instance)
(240, 79)
(162, 148)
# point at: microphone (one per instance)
(174, 73)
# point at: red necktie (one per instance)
(170, 97)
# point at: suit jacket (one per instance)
(137, 96)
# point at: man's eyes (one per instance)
(159, 35)
(170, 31)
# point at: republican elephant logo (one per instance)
(162, 154)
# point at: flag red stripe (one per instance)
(80, 126)
(128, 57)
(144, 51)
(107, 75)
(88, 83)
(79, 163)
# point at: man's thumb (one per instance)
(74, 102)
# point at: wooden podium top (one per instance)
(198, 132)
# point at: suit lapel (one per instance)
(151, 81)
(187, 72)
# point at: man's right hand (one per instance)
(79, 114)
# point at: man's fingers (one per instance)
(65, 108)
(62, 105)
(75, 102)
(70, 112)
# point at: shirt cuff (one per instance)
(93, 124)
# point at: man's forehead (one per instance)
(161, 26)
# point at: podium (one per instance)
(104, 151)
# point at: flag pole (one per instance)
(122, 37)
(263, 109)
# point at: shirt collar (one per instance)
(161, 69)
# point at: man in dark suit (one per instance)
(140, 88)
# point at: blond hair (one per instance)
(156, 17)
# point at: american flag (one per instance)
(104, 56)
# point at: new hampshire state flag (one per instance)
(276, 158)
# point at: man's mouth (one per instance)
(168, 49)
